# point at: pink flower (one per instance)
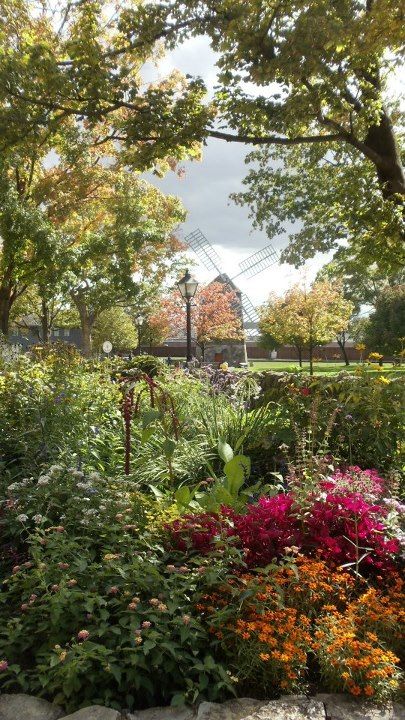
(3, 665)
(63, 566)
(146, 624)
(71, 583)
(15, 569)
(132, 606)
(113, 590)
(24, 607)
(186, 619)
(83, 634)
(33, 597)
(55, 588)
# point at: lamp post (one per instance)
(188, 288)
(139, 322)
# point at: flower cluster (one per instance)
(271, 624)
(355, 661)
(353, 479)
(348, 530)
(342, 528)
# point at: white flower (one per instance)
(37, 519)
(94, 477)
(55, 470)
(22, 518)
(76, 473)
(83, 485)
(13, 486)
(44, 480)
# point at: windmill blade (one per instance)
(259, 261)
(204, 250)
(249, 311)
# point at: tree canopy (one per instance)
(385, 329)
(215, 314)
(318, 104)
(306, 318)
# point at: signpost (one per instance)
(107, 347)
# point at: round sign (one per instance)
(107, 346)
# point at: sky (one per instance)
(205, 191)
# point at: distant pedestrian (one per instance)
(169, 360)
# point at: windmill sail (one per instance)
(259, 261)
(249, 310)
(204, 250)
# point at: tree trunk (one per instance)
(86, 326)
(299, 352)
(5, 307)
(87, 319)
(341, 344)
(381, 140)
(45, 321)
(311, 360)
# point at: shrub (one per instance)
(347, 530)
(148, 364)
(344, 529)
(93, 612)
(300, 623)
(57, 408)
(365, 411)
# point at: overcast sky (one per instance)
(205, 191)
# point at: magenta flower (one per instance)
(3, 665)
(83, 634)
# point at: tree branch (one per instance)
(274, 139)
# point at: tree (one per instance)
(79, 62)
(326, 199)
(306, 318)
(130, 244)
(28, 241)
(116, 326)
(362, 284)
(323, 110)
(385, 330)
(215, 314)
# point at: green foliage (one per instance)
(329, 130)
(116, 326)
(148, 364)
(95, 616)
(310, 186)
(385, 329)
(55, 408)
(358, 417)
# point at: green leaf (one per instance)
(169, 447)
(183, 496)
(225, 451)
(147, 434)
(237, 472)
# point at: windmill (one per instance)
(251, 266)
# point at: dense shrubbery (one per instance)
(245, 552)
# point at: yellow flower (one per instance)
(383, 380)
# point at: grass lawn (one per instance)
(321, 368)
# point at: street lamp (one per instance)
(188, 288)
(139, 322)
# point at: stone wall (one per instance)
(293, 707)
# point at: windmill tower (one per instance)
(251, 266)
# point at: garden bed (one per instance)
(253, 547)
